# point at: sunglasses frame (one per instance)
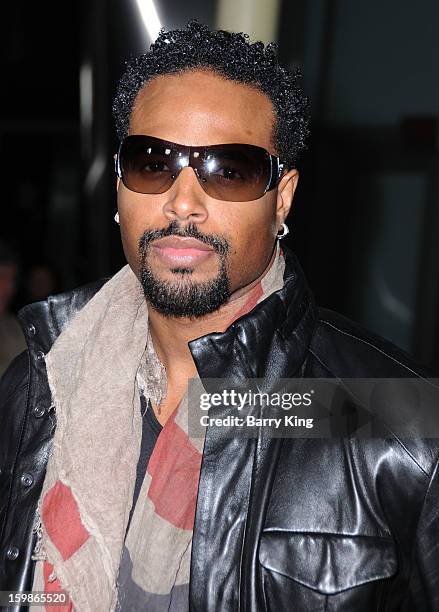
(277, 166)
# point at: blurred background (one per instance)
(365, 223)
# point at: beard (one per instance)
(184, 297)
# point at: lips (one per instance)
(178, 251)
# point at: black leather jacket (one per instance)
(293, 524)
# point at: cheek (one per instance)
(133, 222)
(255, 227)
(250, 222)
(129, 247)
(253, 235)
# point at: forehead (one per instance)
(200, 108)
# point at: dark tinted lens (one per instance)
(236, 173)
(146, 165)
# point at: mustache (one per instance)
(218, 243)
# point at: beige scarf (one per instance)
(94, 369)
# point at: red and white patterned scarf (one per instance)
(88, 490)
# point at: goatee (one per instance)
(184, 297)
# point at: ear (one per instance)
(285, 194)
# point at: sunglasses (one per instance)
(230, 172)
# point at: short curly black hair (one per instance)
(232, 56)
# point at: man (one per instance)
(126, 509)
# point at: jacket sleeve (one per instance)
(13, 394)
(424, 584)
(15, 376)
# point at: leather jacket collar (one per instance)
(269, 342)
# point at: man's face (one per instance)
(236, 239)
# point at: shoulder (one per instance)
(346, 349)
(14, 392)
(15, 380)
(42, 322)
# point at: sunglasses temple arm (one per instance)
(117, 163)
(276, 168)
(280, 169)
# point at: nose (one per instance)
(186, 199)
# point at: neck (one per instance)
(171, 335)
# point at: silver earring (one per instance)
(286, 230)
(116, 217)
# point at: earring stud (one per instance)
(116, 217)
